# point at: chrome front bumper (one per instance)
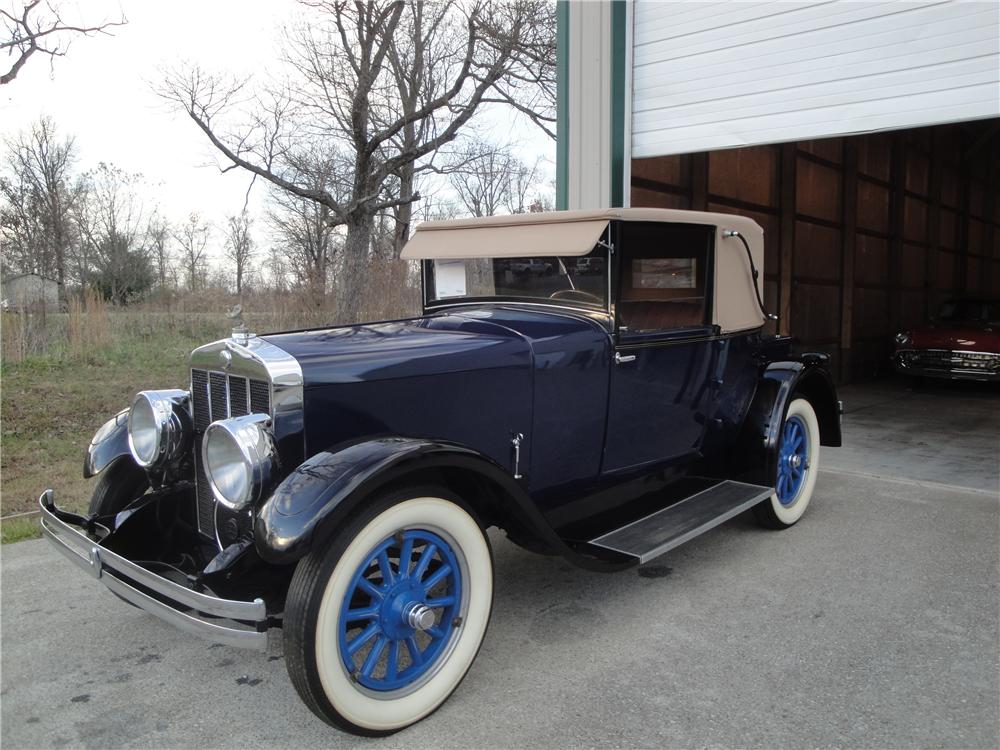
(189, 610)
(955, 373)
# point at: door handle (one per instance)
(621, 359)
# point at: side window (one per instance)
(664, 276)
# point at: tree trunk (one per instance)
(61, 264)
(316, 278)
(357, 246)
(404, 214)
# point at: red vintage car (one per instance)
(961, 343)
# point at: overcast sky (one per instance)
(102, 94)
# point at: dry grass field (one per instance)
(63, 374)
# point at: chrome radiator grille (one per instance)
(951, 360)
(214, 396)
(931, 358)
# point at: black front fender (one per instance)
(311, 503)
(109, 443)
(315, 498)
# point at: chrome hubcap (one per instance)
(419, 616)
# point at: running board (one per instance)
(665, 529)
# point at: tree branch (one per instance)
(25, 34)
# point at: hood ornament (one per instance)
(241, 334)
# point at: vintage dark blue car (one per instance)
(337, 483)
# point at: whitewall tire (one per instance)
(798, 464)
(381, 627)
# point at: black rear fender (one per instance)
(815, 384)
(755, 453)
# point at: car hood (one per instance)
(960, 336)
(473, 339)
(397, 349)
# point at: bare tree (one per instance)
(302, 233)
(158, 232)
(543, 201)
(385, 84)
(488, 178)
(239, 246)
(193, 236)
(39, 28)
(522, 181)
(114, 222)
(40, 193)
(437, 203)
(480, 177)
(276, 267)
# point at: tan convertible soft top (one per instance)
(575, 233)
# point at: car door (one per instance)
(660, 390)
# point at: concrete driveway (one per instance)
(872, 623)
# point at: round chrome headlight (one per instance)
(239, 456)
(157, 429)
(902, 338)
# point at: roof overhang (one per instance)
(553, 233)
(520, 236)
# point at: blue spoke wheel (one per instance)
(383, 622)
(793, 460)
(798, 459)
(401, 610)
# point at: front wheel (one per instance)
(382, 626)
(798, 462)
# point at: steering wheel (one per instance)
(576, 295)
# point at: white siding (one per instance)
(589, 148)
(721, 75)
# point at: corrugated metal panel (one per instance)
(709, 76)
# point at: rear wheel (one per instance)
(382, 625)
(798, 462)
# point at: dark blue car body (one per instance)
(337, 483)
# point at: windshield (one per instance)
(969, 311)
(577, 281)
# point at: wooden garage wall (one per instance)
(907, 218)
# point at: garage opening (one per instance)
(865, 235)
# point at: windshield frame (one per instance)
(606, 308)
